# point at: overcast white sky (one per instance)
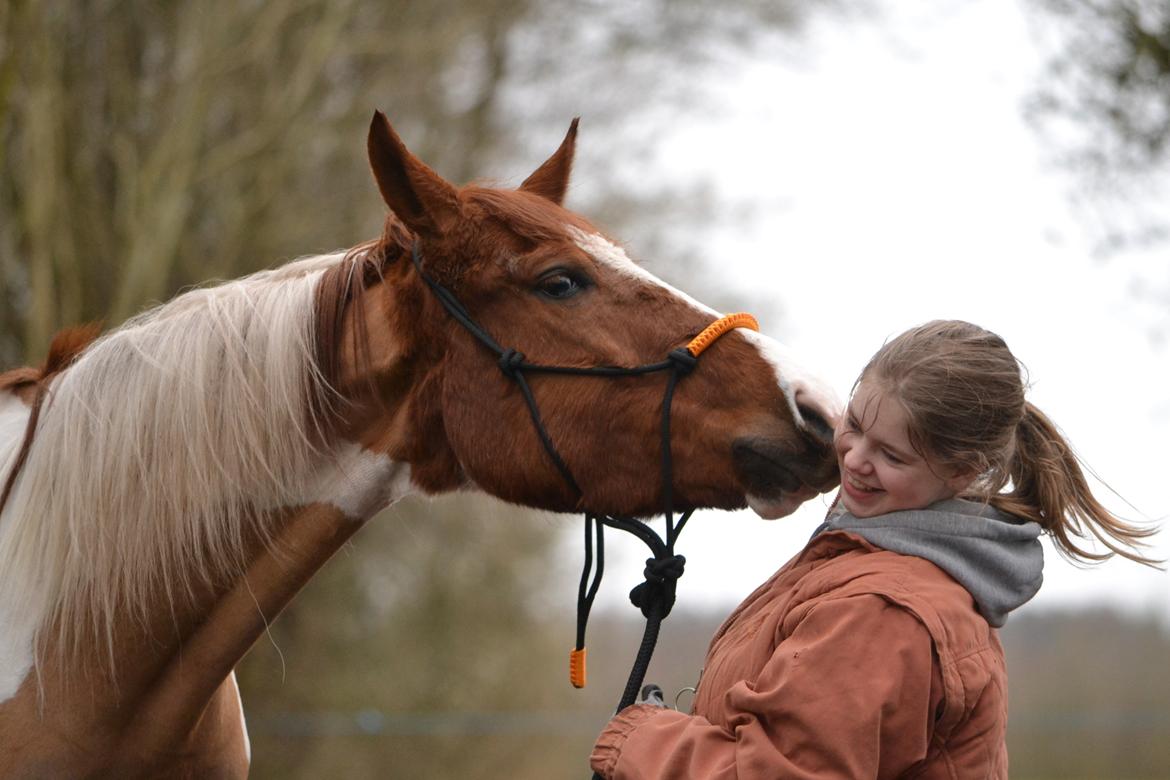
(893, 180)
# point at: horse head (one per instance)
(749, 425)
(180, 481)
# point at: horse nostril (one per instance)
(766, 466)
(770, 466)
(815, 423)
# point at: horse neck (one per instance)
(140, 714)
(220, 630)
(163, 672)
(162, 444)
(391, 357)
(130, 706)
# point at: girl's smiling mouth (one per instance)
(856, 488)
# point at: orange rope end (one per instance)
(718, 328)
(577, 668)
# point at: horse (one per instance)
(170, 485)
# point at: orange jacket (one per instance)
(850, 662)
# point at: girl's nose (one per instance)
(855, 460)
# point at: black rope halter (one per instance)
(655, 596)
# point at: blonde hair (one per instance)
(160, 450)
(963, 392)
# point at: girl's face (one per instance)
(880, 470)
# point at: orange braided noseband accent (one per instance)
(718, 328)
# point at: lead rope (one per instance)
(655, 596)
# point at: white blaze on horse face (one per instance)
(804, 390)
(610, 254)
(358, 482)
(17, 626)
(801, 387)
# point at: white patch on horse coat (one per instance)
(358, 482)
(243, 722)
(160, 444)
(800, 385)
(17, 627)
(605, 251)
(16, 651)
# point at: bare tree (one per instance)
(1105, 104)
(148, 146)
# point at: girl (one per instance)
(873, 653)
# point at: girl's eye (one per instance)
(559, 285)
(892, 458)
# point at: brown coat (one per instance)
(850, 662)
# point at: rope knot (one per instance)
(662, 576)
(684, 361)
(664, 569)
(511, 362)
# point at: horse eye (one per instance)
(559, 286)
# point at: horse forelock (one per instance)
(506, 221)
(160, 450)
(524, 213)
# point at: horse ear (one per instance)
(424, 201)
(551, 179)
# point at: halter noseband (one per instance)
(655, 596)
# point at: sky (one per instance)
(887, 178)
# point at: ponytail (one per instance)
(964, 396)
(1049, 487)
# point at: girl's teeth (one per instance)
(860, 486)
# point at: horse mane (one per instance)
(340, 287)
(154, 453)
(160, 449)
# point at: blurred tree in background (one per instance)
(1103, 107)
(147, 146)
(1105, 103)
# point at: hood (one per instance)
(996, 557)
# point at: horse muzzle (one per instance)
(778, 477)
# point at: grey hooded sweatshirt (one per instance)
(996, 557)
